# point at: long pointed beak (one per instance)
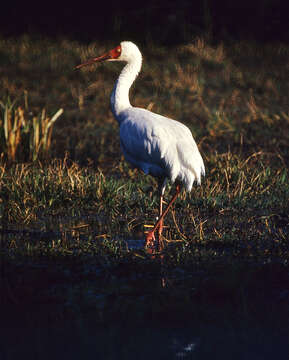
(103, 57)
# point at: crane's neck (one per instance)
(120, 95)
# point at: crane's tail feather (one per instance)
(192, 166)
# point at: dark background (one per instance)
(160, 21)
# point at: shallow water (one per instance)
(56, 311)
(38, 337)
(79, 307)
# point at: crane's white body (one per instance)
(157, 145)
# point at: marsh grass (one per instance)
(72, 226)
(72, 221)
(241, 211)
(232, 96)
(25, 137)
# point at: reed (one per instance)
(236, 109)
(24, 136)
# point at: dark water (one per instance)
(49, 312)
(35, 338)
(77, 307)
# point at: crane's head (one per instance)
(126, 51)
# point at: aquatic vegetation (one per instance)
(71, 225)
(235, 109)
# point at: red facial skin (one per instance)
(111, 55)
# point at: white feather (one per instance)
(156, 144)
(160, 146)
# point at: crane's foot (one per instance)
(151, 242)
(154, 244)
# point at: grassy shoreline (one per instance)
(72, 265)
(234, 99)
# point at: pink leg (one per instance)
(160, 215)
(150, 237)
(160, 229)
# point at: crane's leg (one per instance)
(160, 215)
(162, 187)
(160, 229)
(150, 237)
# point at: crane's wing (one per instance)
(160, 146)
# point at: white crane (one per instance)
(159, 146)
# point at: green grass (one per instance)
(67, 222)
(232, 97)
(241, 210)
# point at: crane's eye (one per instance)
(115, 53)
